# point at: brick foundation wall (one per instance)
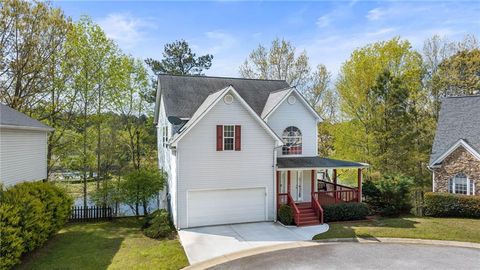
(458, 161)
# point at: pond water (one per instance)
(123, 209)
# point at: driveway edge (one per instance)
(259, 250)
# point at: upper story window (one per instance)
(292, 139)
(460, 184)
(165, 135)
(228, 137)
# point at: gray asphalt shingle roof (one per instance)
(13, 118)
(459, 118)
(273, 99)
(316, 162)
(183, 95)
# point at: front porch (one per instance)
(308, 183)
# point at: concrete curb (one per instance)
(254, 251)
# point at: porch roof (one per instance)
(317, 162)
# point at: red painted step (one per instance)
(309, 223)
(308, 216)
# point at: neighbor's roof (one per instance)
(10, 118)
(459, 118)
(183, 95)
(316, 162)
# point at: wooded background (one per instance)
(381, 108)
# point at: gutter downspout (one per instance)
(275, 191)
(433, 177)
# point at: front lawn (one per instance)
(114, 245)
(455, 229)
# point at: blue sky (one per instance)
(328, 31)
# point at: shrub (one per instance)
(345, 211)
(29, 214)
(285, 214)
(12, 243)
(140, 186)
(451, 205)
(389, 196)
(157, 225)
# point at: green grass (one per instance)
(107, 245)
(455, 229)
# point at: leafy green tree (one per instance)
(357, 83)
(140, 186)
(91, 51)
(279, 62)
(131, 103)
(31, 34)
(34, 67)
(442, 74)
(178, 59)
(389, 195)
(390, 123)
(459, 74)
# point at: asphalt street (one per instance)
(362, 256)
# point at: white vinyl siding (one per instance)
(23, 156)
(202, 167)
(225, 206)
(299, 116)
(166, 160)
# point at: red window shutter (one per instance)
(219, 138)
(238, 138)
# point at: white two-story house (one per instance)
(236, 149)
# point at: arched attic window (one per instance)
(460, 184)
(292, 139)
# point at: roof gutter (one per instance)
(27, 128)
(157, 101)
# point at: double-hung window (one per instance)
(165, 136)
(460, 184)
(228, 137)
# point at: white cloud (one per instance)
(323, 21)
(222, 41)
(125, 29)
(375, 14)
(381, 31)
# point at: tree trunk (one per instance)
(138, 148)
(85, 154)
(137, 202)
(145, 208)
(99, 139)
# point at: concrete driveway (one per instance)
(361, 256)
(205, 243)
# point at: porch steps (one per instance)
(308, 217)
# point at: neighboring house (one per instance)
(236, 149)
(455, 158)
(23, 147)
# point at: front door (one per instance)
(283, 182)
(297, 186)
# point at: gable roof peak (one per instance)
(459, 119)
(209, 103)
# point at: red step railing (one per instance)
(296, 211)
(317, 207)
(335, 193)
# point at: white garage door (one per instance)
(225, 206)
